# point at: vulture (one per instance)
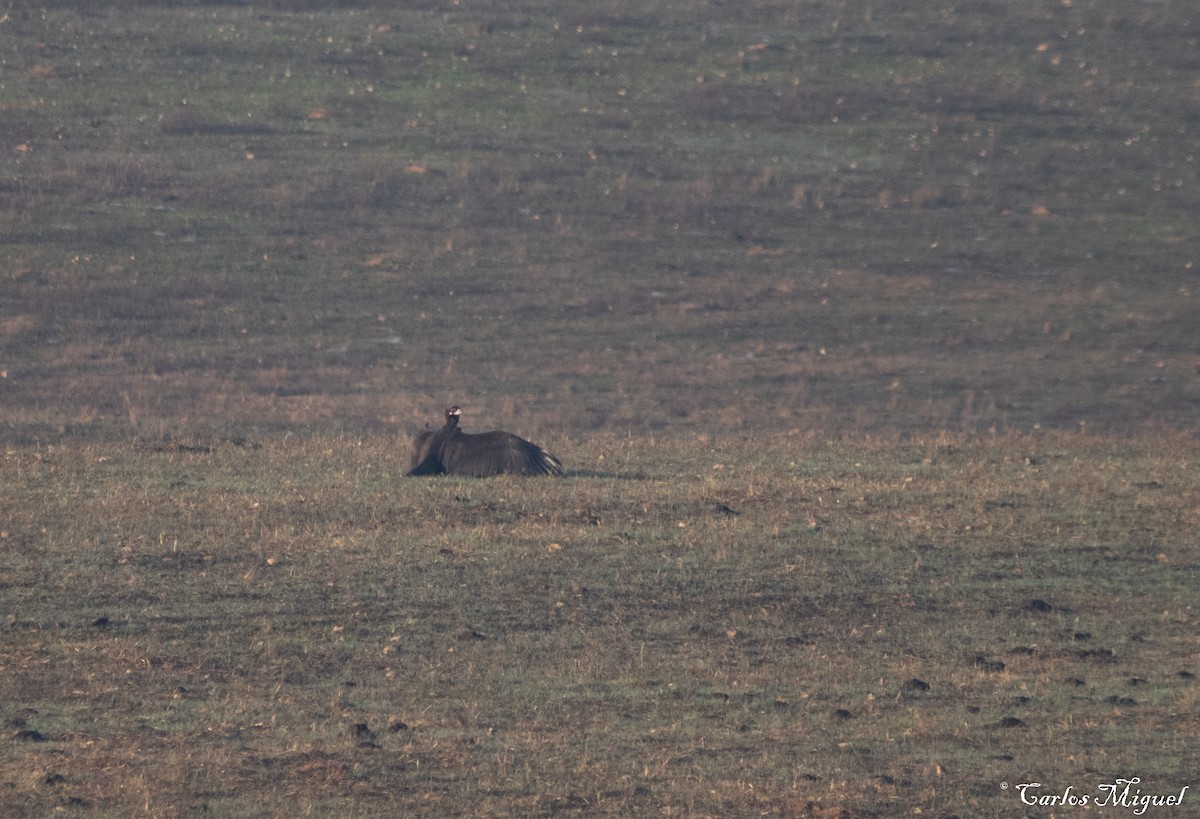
(450, 451)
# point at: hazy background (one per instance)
(834, 216)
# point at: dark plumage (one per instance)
(450, 451)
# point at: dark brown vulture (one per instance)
(450, 451)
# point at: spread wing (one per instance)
(426, 459)
(496, 453)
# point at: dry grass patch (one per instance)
(679, 622)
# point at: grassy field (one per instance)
(867, 334)
(840, 216)
(676, 628)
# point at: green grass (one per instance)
(675, 626)
(866, 332)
